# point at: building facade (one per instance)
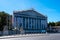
(29, 21)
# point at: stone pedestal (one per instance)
(5, 30)
(21, 30)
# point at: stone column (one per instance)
(34, 26)
(25, 22)
(25, 25)
(28, 22)
(36, 23)
(31, 23)
(39, 23)
(22, 22)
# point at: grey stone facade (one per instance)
(29, 21)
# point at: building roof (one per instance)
(55, 26)
(31, 10)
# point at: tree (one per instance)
(54, 23)
(3, 19)
(51, 24)
(57, 23)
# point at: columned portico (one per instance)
(31, 23)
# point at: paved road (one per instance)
(32, 37)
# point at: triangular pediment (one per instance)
(30, 13)
(35, 13)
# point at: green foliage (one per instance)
(51, 24)
(3, 20)
(57, 23)
(54, 23)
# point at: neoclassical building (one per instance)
(29, 21)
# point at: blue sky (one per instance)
(50, 8)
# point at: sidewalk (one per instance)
(33, 37)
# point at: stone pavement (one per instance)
(55, 36)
